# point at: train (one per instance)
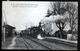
(33, 32)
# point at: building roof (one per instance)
(9, 26)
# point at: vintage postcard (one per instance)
(39, 25)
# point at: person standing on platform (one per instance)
(15, 33)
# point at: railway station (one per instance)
(38, 26)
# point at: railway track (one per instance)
(26, 44)
(52, 47)
(30, 47)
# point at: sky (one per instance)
(22, 17)
(22, 14)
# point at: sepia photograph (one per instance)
(39, 25)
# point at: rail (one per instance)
(35, 42)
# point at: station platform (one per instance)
(56, 38)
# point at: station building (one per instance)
(7, 31)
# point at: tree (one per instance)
(73, 15)
(61, 23)
(57, 10)
(60, 8)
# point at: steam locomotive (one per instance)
(33, 31)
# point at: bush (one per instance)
(74, 38)
(57, 33)
(70, 32)
(64, 34)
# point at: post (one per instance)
(4, 34)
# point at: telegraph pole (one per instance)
(4, 32)
(5, 22)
